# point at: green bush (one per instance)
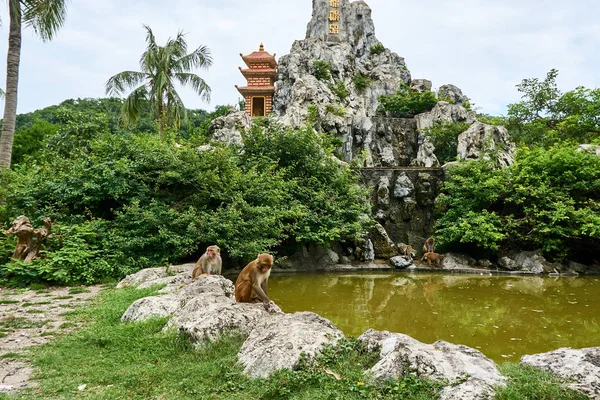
(340, 111)
(339, 89)
(407, 103)
(361, 81)
(128, 201)
(546, 200)
(322, 70)
(377, 48)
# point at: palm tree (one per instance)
(161, 67)
(45, 17)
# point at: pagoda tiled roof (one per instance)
(258, 57)
(255, 89)
(258, 71)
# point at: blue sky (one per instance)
(484, 47)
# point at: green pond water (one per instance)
(504, 317)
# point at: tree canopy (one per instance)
(161, 68)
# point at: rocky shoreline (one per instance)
(205, 308)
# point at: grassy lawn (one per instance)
(137, 361)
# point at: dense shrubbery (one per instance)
(548, 199)
(407, 103)
(124, 201)
(546, 117)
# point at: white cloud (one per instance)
(485, 47)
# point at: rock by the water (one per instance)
(207, 317)
(383, 246)
(145, 275)
(151, 307)
(579, 367)
(453, 261)
(527, 262)
(474, 375)
(401, 262)
(278, 342)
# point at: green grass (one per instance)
(9, 301)
(526, 382)
(12, 355)
(63, 297)
(35, 311)
(12, 322)
(79, 289)
(29, 304)
(66, 325)
(138, 361)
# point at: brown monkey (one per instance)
(429, 246)
(252, 283)
(209, 263)
(407, 250)
(434, 258)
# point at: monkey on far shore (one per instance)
(251, 285)
(429, 246)
(407, 250)
(209, 263)
(434, 258)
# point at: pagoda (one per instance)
(260, 75)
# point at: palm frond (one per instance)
(177, 113)
(123, 81)
(46, 17)
(199, 58)
(132, 106)
(198, 84)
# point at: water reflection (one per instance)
(505, 317)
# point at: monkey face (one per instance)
(265, 262)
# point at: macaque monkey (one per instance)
(407, 250)
(429, 246)
(209, 263)
(252, 283)
(434, 258)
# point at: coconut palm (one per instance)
(45, 17)
(161, 67)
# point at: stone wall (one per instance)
(403, 200)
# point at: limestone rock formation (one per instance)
(445, 112)
(348, 53)
(527, 261)
(149, 307)
(228, 129)
(278, 342)
(473, 373)
(420, 85)
(452, 94)
(589, 148)
(483, 140)
(425, 156)
(581, 368)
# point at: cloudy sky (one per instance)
(485, 47)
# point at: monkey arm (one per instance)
(259, 292)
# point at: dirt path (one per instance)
(31, 318)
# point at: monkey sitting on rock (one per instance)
(251, 285)
(209, 263)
